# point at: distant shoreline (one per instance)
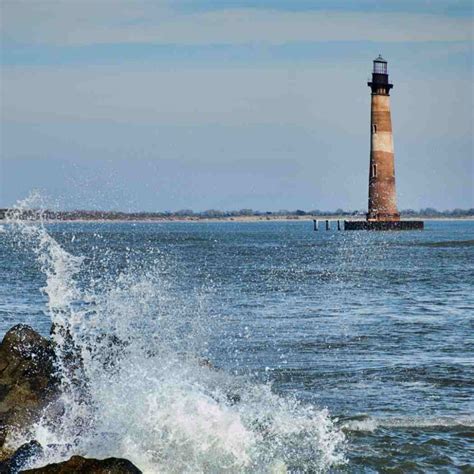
(215, 215)
(238, 219)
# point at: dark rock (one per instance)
(80, 465)
(22, 455)
(28, 384)
(27, 380)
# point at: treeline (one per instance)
(430, 212)
(427, 212)
(218, 214)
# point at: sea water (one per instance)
(251, 347)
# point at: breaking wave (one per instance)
(370, 424)
(144, 389)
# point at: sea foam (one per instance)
(143, 390)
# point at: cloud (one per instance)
(232, 96)
(115, 22)
(181, 96)
(304, 105)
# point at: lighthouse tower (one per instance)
(383, 213)
(382, 194)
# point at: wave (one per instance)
(144, 389)
(446, 243)
(370, 424)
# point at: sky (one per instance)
(230, 104)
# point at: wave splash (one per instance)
(143, 390)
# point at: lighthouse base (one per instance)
(383, 225)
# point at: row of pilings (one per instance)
(327, 226)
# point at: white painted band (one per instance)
(382, 141)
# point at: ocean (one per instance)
(254, 347)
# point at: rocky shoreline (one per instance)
(29, 385)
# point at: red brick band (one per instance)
(382, 121)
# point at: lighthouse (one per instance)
(382, 209)
(382, 193)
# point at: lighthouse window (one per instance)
(380, 67)
(374, 128)
(374, 171)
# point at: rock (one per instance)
(80, 465)
(27, 380)
(28, 384)
(22, 455)
(76, 464)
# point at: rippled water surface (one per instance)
(377, 328)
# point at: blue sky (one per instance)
(224, 104)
